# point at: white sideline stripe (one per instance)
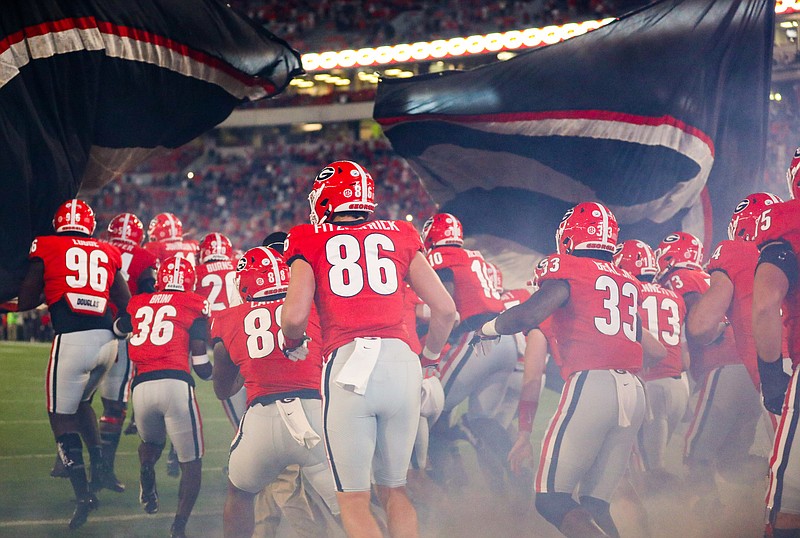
(45, 421)
(132, 517)
(50, 455)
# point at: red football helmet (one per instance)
(747, 214)
(74, 216)
(175, 274)
(215, 246)
(587, 226)
(442, 229)
(637, 258)
(341, 186)
(679, 249)
(126, 227)
(791, 175)
(261, 272)
(165, 226)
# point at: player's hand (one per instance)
(484, 342)
(521, 454)
(122, 326)
(430, 368)
(295, 349)
(774, 382)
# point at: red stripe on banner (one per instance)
(604, 115)
(708, 221)
(137, 34)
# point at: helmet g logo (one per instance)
(325, 173)
(741, 206)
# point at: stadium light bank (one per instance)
(466, 46)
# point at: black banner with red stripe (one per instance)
(661, 114)
(90, 88)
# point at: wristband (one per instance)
(291, 343)
(489, 328)
(197, 360)
(526, 410)
(430, 355)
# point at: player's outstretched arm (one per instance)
(704, 320)
(521, 453)
(226, 373)
(146, 282)
(425, 283)
(528, 315)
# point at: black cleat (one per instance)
(103, 477)
(59, 471)
(148, 495)
(177, 531)
(82, 509)
(131, 429)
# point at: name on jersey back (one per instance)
(372, 225)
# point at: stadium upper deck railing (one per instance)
(465, 46)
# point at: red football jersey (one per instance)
(186, 248)
(596, 328)
(161, 323)
(738, 260)
(359, 272)
(80, 270)
(552, 343)
(782, 224)
(251, 333)
(135, 260)
(514, 297)
(703, 358)
(216, 281)
(663, 314)
(474, 291)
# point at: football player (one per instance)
(594, 307)
(216, 282)
(667, 387)
(79, 276)
(284, 414)
(354, 270)
(732, 268)
(478, 373)
(125, 232)
(165, 239)
(169, 325)
(775, 287)
(726, 415)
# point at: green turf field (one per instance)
(34, 505)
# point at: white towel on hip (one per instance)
(354, 375)
(294, 416)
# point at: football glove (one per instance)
(774, 382)
(122, 326)
(485, 337)
(295, 349)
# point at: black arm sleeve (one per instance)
(781, 255)
(199, 329)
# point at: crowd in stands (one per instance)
(338, 24)
(250, 192)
